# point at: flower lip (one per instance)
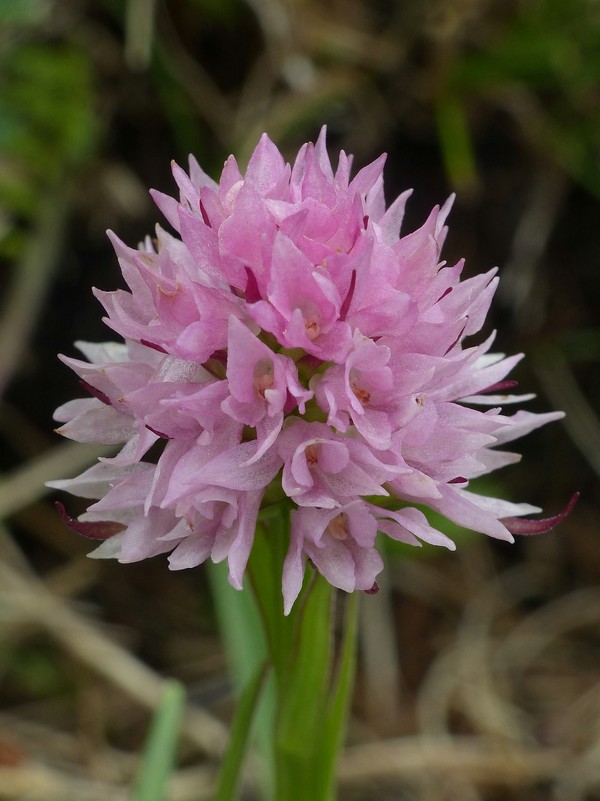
(363, 395)
(311, 324)
(311, 454)
(339, 528)
(264, 376)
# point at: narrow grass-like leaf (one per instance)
(305, 681)
(266, 567)
(455, 141)
(336, 718)
(302, 693)
(230, 771)
(243, 636)
(240, 626)
(158, 758)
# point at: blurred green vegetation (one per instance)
(35, 671)
(217, 78)
(542, 65)
(47, 125)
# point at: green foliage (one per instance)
(222, 10)
(22, 13)
(547, 44)
(35, 670)
(46, 120)
(230, 770)
(313, 695)
(301, 726)
(188, 132)
(243, 636)
(303, 687)
(47, 128)
(337, 707)
(543, 65)
(578, 345)
(159, 754)
(455, 141)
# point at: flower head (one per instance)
(288, 334)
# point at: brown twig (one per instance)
(485, 763)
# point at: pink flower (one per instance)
(260, 382)
(360, 392)
(287, 336)
(340, 542)
(324, 469)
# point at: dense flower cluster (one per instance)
(289, 338)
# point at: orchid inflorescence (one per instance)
(289, 346)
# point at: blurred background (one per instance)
(479, 673)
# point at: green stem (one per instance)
(302, 688)
(231, 767)
(243, 634)
(313, 681)
(336, 719)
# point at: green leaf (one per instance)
(240, 626)
(304, 682)
(265, 568)
(158, 758)
(455, 141)
(230, 771)
(336, 718)
(47, 101)
(302, 693)
(243, 636)
(307, 729)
